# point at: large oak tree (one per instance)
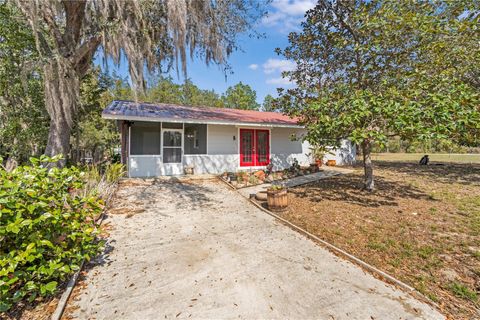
(370, 70)
(151, 34)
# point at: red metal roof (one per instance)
(142, 111)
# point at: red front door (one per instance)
(254, 147)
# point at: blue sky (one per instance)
(257, 64)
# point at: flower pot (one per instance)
(277, 200)
(188, 170)
(318, 162)
(331, 163)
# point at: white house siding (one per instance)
(212, 164)
(284, 150)
(223, 153)
(344, 155)
(152, 166)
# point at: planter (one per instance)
(277, 200)
(314, 167)
(331, 163)
(188, 170)
(318, 162)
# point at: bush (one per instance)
(114, 171)
(47, 228)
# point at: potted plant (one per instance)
(318, 153)
(188, 169)
(331, 163)
(277, 198)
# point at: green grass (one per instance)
(462, 291)
(425, 252)
(435, 157)
(476, 254)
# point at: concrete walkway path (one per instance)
(297, 181)
(199, 250)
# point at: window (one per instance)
(145, 138)
(195, 138)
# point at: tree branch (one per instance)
(74, 14)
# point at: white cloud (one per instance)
(293, 7)
(286, 15)
(253, 66)
(280, 81)
(278, 65)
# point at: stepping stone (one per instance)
(261, 196)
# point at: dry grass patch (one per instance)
(421, 225)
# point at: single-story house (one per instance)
(163, 139)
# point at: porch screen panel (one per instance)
(172, 146)
(145, 138)
(195, 139)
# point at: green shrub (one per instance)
(462, 291)
(114, 171)
(46, 228)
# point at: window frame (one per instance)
(172, 147)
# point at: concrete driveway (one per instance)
(199, 250)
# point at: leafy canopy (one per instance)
(23, 118)
(368, 70)
(241, 96)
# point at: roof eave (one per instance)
(235, 123)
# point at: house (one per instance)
(163, 139)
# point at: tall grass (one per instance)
(102, 181)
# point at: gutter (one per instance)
(237, 123)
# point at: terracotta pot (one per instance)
(331, 163)
(277, 200)
(318, 162)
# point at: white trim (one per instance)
(147, 119)
(206, 140)
(129, 146)
(146, 155)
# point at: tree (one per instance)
(23, 120)
(194, 96)
(164, 90)
(91, 132)
(241, 96)
(370, 70)
(269, 103)
(149, 34)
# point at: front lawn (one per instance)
(421, 225)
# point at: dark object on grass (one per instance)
(424, 161)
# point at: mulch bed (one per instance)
(421, 225)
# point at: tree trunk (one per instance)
(61, 98)
(10, 164)
(58, 140)
(367, 165)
